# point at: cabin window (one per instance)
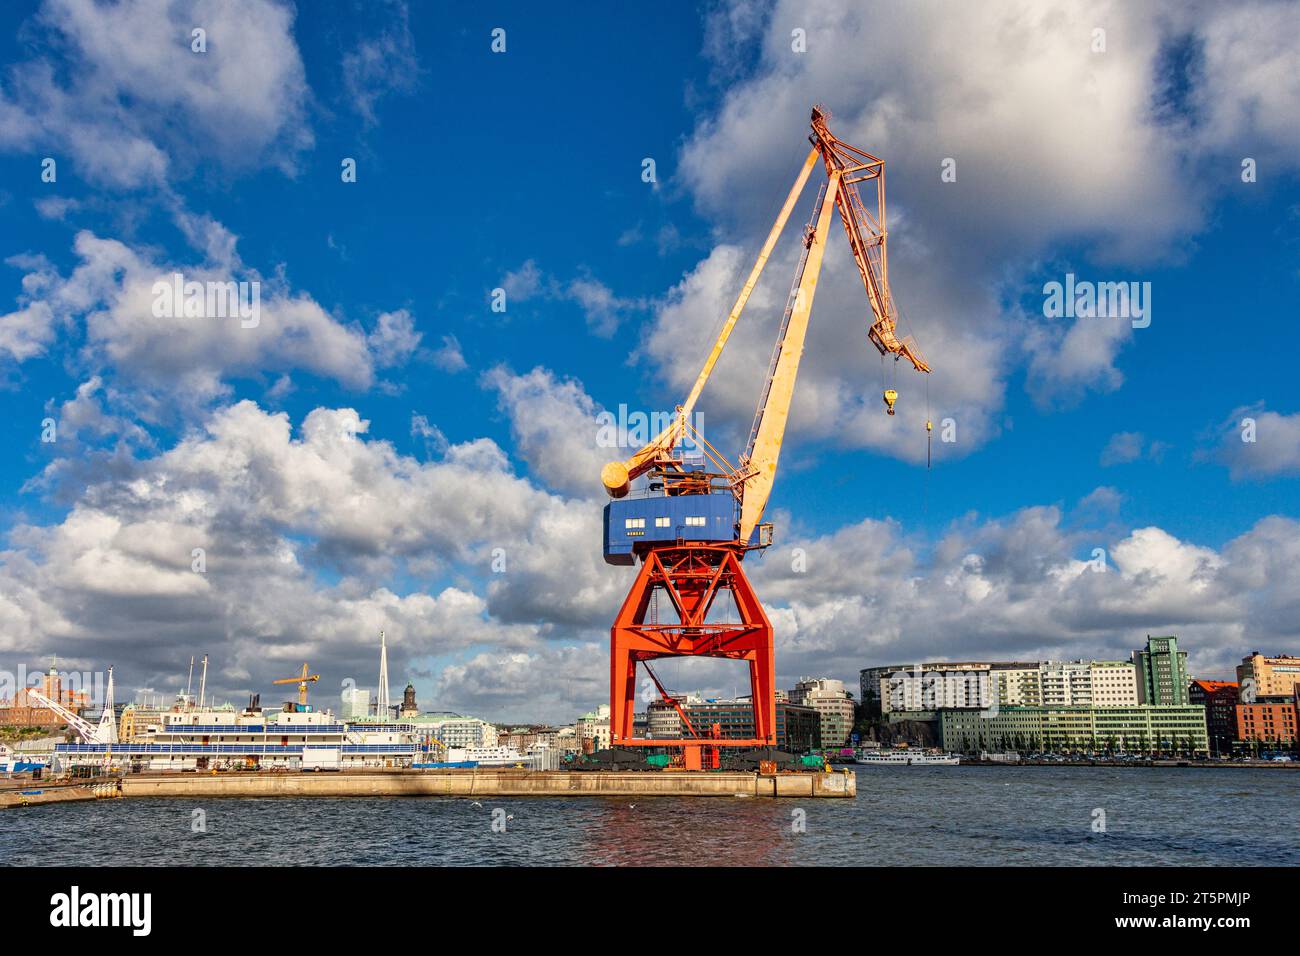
(695, 521)
(662, 522)
(634, 522)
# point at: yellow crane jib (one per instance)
(847, 169)
(302, 680)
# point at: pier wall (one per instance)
(489, 783)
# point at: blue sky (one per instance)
(522, 170)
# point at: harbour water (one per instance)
(918, 816)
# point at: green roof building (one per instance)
(1162, 672)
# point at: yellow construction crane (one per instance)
(302, 680)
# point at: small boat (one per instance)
(906, 758)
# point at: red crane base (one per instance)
(706, 607)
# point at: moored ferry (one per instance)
(297, 739)
(906, 758)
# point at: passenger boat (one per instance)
(906, 758)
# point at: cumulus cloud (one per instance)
(1260, 444)
(1008, 91)
(1024, 588)
(522, 686)
(300, 536)
(306, 526)
(449, 356)
(555, 427)
(394, 338)
(134, 106)
(107, 304)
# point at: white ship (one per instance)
(298, 738)
(906, 758)
(13, 761)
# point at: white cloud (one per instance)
(134, 102)
(449, 356)
(521, 686)
(304, 533)
(1125, 447)
(1015, 589)
(1272, 452)
(302, 536)
(107, 303)
(603, 310)
(1055, 146)
(554, 426)
(381, 63)
(394, 338)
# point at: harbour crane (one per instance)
(302, 680)
(105, 732)
(699, 515)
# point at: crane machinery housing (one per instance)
(697, 516)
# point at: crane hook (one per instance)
(891, 396)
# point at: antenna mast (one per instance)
(382, 706)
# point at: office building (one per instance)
(1161, 672)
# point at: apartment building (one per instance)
(832, 702)
(1269, 676)
(1138, 729)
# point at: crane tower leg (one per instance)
(712, 612)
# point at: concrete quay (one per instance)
(36, 793)
(491, 783)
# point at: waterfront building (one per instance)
(592, 730)
(832, 702)
(356, 703)
(24, 710)
(1161, 672)
(1113, 684)
(1270, 676)
(452, 729)
(939, 684)
(139, 718)
(1017, 684)
(1142, 728)
(566, 740)
(798, 727)
(935, 686)
(662, 719)
(1219, 698)
(1272, 722)
(533, 736)
(1065, 683)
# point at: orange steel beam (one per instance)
(867, 235)
(693, 576)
